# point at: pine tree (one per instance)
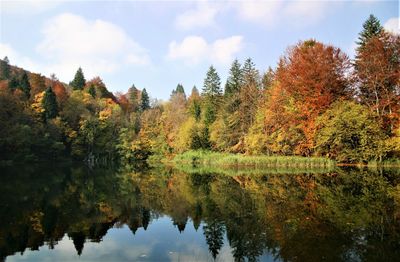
(180, 89)
(250, 73)
(212, 93)
(372, 27)
(50, 104)
(25, 85)
(212, 84)
(235, 79)
(4, 68)
(145, 101)
(79, 80)
(134, 97)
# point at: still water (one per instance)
(73, 213)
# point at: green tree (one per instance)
(145, 101)
(212, 85)
(212, 93)
(50, 104)
(235, 79)
(4, 68)
(79, 80)
(25, 85)
(92, 91)
(194, 104)
(372, 27)
(180, 89)
(134, 97)
(348, 132)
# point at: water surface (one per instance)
(71, 213)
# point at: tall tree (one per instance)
(371, 28)
(25, 85)
(312, 76)
(4, 68)
(194, 104)
(378, 73)
(180, 89)
(212, 94)
(50, 104)
(235, 79)
(134, 97)
(212, 85)
(145, 101)
(79, 82)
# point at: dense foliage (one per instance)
(316, 102)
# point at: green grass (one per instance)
(226, 160)
(390, 163)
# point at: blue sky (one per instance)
(158, 44)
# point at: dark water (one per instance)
(72, 213)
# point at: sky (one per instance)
(158, 44)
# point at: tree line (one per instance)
(316, 102)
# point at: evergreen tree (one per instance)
(134, 97)
(268, 78)
(92, 91)
(4, 68)
(79, 80)
(180, 89)
(235, 79)
(25, 85)
(250, 73)
(212, 93)
(212, 84)
(372, 27)
(145, 101)
(50, 104)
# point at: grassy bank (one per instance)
(215, 159)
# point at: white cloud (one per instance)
(393, 25)
(264, 12)
(307, 12)
(97, 46)
(17, 59)
(27, 7)
(271, 13)
(195, 49)
(202, 16)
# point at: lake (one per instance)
(73, 213)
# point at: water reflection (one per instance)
(165, 214)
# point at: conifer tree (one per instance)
(212, 84)
(145, 101)
(50, 104)
(235, 79)
(212, 93)
(180, 89)
(25, 85)
(79, 80)
(372, 27)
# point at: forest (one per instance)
(316, 102)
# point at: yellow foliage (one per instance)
(37, 105)
(185, 133)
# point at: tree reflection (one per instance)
(345, 215)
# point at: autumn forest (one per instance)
(317, 102)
